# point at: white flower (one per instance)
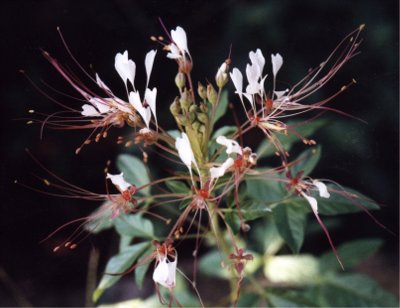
(178, 47)
(323, 190)
(217, 172)
(231, 145)
(165, 273)
(149, 108)
(126, 68)
(118, 181)
(185, 152)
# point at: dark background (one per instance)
(361, 156)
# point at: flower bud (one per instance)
(202, 117)
(221, 78)
(196, 126)
(175, 107)
(185, 100)
(212, 95)
(180, 80)
(193, 108)
(202, 129)
(202, 91)
(204, 107)
(181, 119)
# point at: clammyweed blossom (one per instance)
(214, 173)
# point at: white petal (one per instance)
(100, 105)
(237, 79)
(277, 62)
(185, 152)
(148, 62)
(217, 172)
(118, 181)
(231, 145)
(89, 111)
(253, 75)
(257, 58)
(323, 190)
(144, 112)
(126, 68)
(179, 37)
(312, 201)
(150, 98)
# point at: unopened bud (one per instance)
(175, 107)
(196, 126)
(180, 80)
(202, 129)
(204, 107)
(212, 95)
(202, 117)
(185, 100)
(202, 91)
(193, 108)
(222, 77)
(181, 119)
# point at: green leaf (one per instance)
(135, 226)
(226, 131)
(351, 254)
(355, 290)
(124, 241)
(100, 219)
(222, 106)
(290, 220)
(248, 300)
(287, 298)
(210, 265)
(266, 148)
(307, 161)
(135, 172)
(118, 264)
(250, 210)
(177, 187)
(339, 204)
(140, 272)
(265, 191)
(267, 237)
(295, 270)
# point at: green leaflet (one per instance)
(351, 254)
(118, 264)
(290, 220)
(135, 172)
(355, 290)
(135, 226)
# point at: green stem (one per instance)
(224, 246)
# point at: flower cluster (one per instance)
(220, 167)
